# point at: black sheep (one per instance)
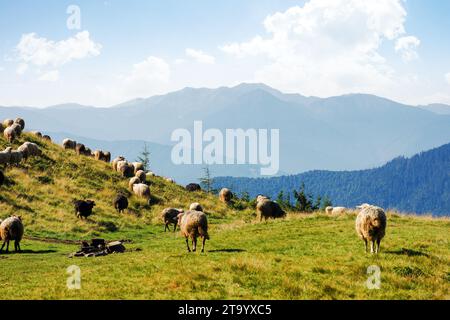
(120, 203)
(83, 208)
(191, 187)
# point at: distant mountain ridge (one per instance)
(315, 133)
(420, 184)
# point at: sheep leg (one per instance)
(165, 227)
(175, 227)
(203, 244)
(378, 245)
(187, 244)
(7, 246)
(372, 244)
(4, 242)
(365, 241)
(194, 244)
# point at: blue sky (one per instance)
(127, 49)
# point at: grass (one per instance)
(301, 257)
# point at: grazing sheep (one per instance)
(11, 229)
(138, 166)
(151, 174)
(194, 224)
(29, 149)
(15, 156)
(266, 208)
(36, 133)
(102, 155)
(2, 179)
(83, 209)
(335, 210)
(170, 180)
(225, 195)
(170, 216)
(69, 144)
(133, 181)
(8, 123)
(125, 168)
(142, 190)
(371, 226)
(191, 187)
(10, 134)
(5, 156)
(195, 207)
(80, 149)
(21, 123)
(47, 137)
(120, 203)
(116, 161)
(17, 128)
(141, 175)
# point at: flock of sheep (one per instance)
(193, 223)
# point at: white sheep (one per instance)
(11, 229)
(194, 224)
(195, 207)
(29, 149)
(371, 225)
(142, 190)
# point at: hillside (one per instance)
(315, 133)
(42, 189)
(320, 256)
(420, 184)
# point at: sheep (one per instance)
(133, 181)
(21, 123)
(2, 179)
(10, 134)
(170, 216)
(116, 161)
(17, 128)
(69, 144)
(142, 190)
(335, 210)
(138, 166)
(15, 156)
(195, 207)
(47, 137)
(141, 175)
(266, 208)
(1, 128)
(370, 226)
(11, 229)
(261, 198)
(80, 149)
(225, 195)
(29, 149)
(5, 156)
(36, 133)
(8, 123)
(194, 224)
(191, 187)
(88, 152)
(170, 180)
(125, 168)
(83, 209)
(120, 203)
(102, 155)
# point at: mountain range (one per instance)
(420, 184)
(349, 132)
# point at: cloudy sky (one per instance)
(120, 50)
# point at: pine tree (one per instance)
(144, 157)
(206, 181)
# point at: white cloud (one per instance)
(200, 56)
(148, 77)
(447, 77)
(43, 52)
(50, 76)
(21, 68)
(327, 47)
(407, 46)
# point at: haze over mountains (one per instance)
(347, 132)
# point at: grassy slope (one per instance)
(313, 257)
